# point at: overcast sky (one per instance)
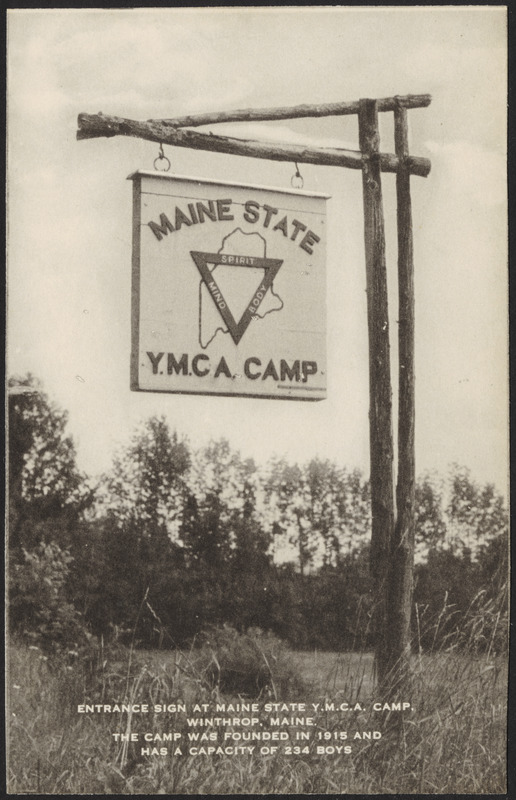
(70, 209)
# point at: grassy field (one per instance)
(452, 739)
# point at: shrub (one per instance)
(39, 610)
(248, 664)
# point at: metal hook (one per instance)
(297, 180)
(162, 157)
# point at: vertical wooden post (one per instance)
(380, 392)
(402, 547)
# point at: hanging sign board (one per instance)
(229, 289)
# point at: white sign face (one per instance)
(229, 290)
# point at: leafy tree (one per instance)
(319, 510)
(48, 497)
(139, 552)
(324, 486)
(289, 496)
(223, 506)
(47, 492)
(353, 500)
(40, 609)
(145, 490)
(461, 582)
(476, 513)
(226, 543)
(429, 517)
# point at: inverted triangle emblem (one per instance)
(269, 265)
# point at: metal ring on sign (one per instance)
(296, 180)
(161, 157)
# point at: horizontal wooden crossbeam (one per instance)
(91, 126)
(295, 112)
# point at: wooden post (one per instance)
(402, 546)
(380, 393)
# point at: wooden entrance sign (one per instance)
(229, 289)
(392, 544)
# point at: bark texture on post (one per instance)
(380, 392)
(402, 546)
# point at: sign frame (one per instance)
(285, 379)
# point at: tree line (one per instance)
(173, 539)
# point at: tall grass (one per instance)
(452, 740)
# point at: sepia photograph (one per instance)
(257, 392)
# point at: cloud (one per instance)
(480, 68)
(146, 67)
(471, 169)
